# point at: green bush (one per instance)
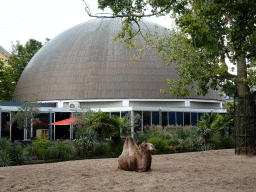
(5, 158)
(227, 142)
(42, 142)
(85, 146)
(5, 145)
(66, 151)
(216, 140)
(116, 148)
(32, 150)
(158, 143)
(142, 137)
(102, 149)
(18, 155)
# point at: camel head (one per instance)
(146, 146)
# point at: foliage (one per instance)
(26, 115)
(18, 155)
(209, 33)
(42, 142)
(11, 154)
(116, 147)
(102, 149)
(85, 145)
(21, 55)
(7, 85)
(221, 123)
(105, 126)
(136, 121)
(5, 158)
(66, 151)
(206, 120)
(158, 143)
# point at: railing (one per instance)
(244, 123)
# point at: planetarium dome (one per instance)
(84, 63)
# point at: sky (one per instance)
(21, 20)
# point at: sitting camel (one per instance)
(135, 159)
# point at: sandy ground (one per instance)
(219, 170)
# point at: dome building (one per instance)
(83, 67)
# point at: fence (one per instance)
(244, 123)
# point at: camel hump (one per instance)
(133, 158)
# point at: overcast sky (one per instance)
(39, 19)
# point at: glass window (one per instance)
(164, 119)
(193, 118)
(115, 113)
(186, 118)
(146, 118)
(155, 117)
(199, 116)
(123, 113)
(179, 118)
(172, 118)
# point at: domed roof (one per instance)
(84, 62)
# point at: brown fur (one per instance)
(135, 159)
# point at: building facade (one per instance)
(83, 67)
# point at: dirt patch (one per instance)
(219, 170)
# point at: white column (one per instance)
(31, 128)
(71, 126)
(132, 124)
(10, 126)
(54, 125)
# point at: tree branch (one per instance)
(87, 9)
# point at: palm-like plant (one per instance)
(104, 125)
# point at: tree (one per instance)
(21, 55)
(26, 116)
(6, 82)
(209, 32)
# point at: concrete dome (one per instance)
(84, 63)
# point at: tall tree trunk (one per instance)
(242, 88)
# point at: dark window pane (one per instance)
(123, 113)
(193, 118)
(146, 118)
(199, 116)
(115, 113)
(172, 118)
(179, 118)
(186, 118)
(164, 118)
(155, 118)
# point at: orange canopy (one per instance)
(68, 121)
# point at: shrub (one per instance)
(227, 142)
(66, 151)
(85, 146)
(42, 142)
(216, 140)
(102, 149)
(116, 147)
(5, 145)
(158, 143)
(32, 150)
(5, 159)
(18, 155)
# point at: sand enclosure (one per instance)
(219, 170)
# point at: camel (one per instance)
(135, 159)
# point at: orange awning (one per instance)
(68, 121)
